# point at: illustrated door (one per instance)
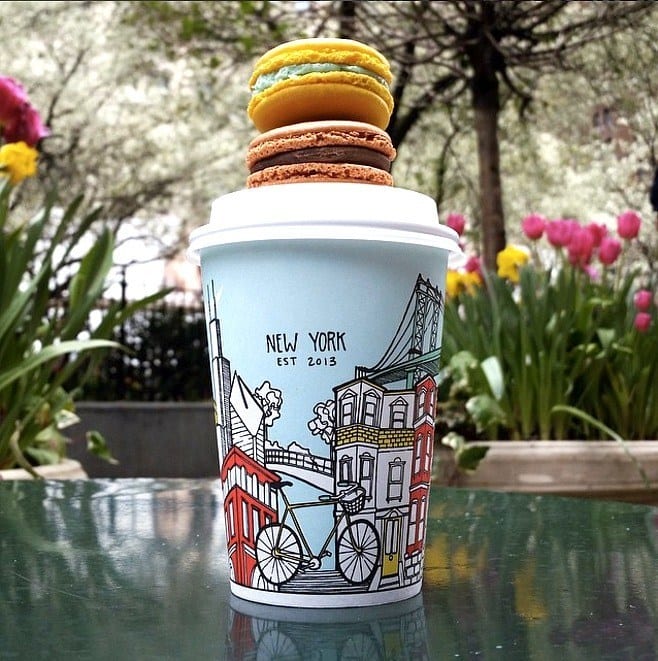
(391, 546)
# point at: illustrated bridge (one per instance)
(413, 352)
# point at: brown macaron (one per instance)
(321, 151)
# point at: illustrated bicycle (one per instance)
(283, 550)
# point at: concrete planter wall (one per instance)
(68, 469)
(172, 439)
(149, 439)
(594, 469)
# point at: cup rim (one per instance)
(323, 210)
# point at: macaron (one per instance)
(320, 79)
(321, 151)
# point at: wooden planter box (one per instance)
(592, 469)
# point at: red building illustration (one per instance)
(249, 504)
(422, 463)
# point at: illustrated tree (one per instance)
(324, 422)
(270, 400)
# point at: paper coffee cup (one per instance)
(324, 306)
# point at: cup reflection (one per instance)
(259, 632)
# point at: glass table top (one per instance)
(136, 568)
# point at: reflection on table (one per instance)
(102, 569)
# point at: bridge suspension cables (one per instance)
(414, 349)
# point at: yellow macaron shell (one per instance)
(335, 51)
(322, 95)
(335, 95)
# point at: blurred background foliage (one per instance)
(167, 358)
(146, 104)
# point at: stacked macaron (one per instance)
(322, 106)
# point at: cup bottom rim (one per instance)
(338, 601)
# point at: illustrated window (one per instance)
(413, 522)
(428, 452)
(255, 517)
(245, 520)
(370, 409)
(347, 406)
(395, 479)
(345, 469)
(398, 414)
(231, 519)
(366, 470)
(418, 453)
(420, 402)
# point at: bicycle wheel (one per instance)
(278, 553)
(358, 552)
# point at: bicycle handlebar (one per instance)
(279, 485)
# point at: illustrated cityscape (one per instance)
(379, 430)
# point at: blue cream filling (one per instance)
(266, 80)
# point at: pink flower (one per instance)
(592, 272)
(533, 226)
(642, 299)
(598, 232)
(26, 127)
(473, 265)
(581, 246)
(12, 99)
(642, 322)
(558, 232)
(628, 224)
(609, 250)
(456, 222)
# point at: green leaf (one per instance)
(610, 432)
(97, 445)
(494, 375)
(454, 440)
(469, 458)
(606, 337)
(48, 353)
(87, 284)
(485, 412)
(43, 456)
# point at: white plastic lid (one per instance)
(344, 211)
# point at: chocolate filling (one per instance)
(327, 154)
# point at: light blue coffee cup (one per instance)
(324, 306)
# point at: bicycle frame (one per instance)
(290, 510)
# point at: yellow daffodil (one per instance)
(453, 283)
(17, 161)
(509, 260)
(471, 280)
(458, 282)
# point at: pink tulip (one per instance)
(642, 322)
(533, 226)
(609, 250)
(628, 224)
(26, 127)
(558, 232)
(581, 246)
(12, 98)
(598, 232)
(473, 265)
(456, 222)
(642, 299)
(592, 272)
